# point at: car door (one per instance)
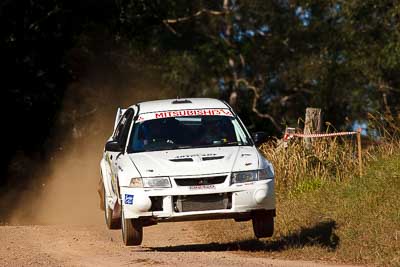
(120, 135)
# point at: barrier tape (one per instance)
(290, 135)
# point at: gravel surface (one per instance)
(172, 244)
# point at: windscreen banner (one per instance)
(184, 113)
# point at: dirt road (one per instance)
(172, 244)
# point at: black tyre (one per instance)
(263, 224)
(132, 231)
(111, 222)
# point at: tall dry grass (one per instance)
(330, 159)
(301, 168)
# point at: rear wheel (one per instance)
(132, 231)
(263, 224)
(112, 223)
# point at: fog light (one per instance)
(141, 203)
(260, 195)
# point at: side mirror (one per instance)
(259, 138)
(113, 146)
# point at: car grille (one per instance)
(200, 181)
(202, 202)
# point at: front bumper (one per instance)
(237, 201)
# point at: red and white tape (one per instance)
(290, 135)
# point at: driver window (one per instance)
(122, 125)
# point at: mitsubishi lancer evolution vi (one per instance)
(182, 160)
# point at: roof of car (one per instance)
(179, 104)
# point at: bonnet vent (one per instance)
(182, 160)
(212, 158)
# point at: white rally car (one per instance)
(182, 160)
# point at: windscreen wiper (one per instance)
(232, 144)
(182, 147)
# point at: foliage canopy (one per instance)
(341, 56)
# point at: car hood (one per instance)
(198, 161)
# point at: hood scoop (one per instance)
(190, 159)
(212, 158)
(182, 160)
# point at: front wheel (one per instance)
(263, 224)
(132, 231)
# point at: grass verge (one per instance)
(351, 221)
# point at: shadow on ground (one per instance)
(321, 234)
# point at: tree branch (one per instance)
(256, 97)
(198, 13)
(170, 28)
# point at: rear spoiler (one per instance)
(120, 112)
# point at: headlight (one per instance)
(250, 176)
(267, 173)
(156, 182)
(159, 182)
(136, 182)
(243, 177)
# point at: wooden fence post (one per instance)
(359, 151)
(312, 123)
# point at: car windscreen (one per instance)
(186, 132)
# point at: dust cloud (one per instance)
(66, 188)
